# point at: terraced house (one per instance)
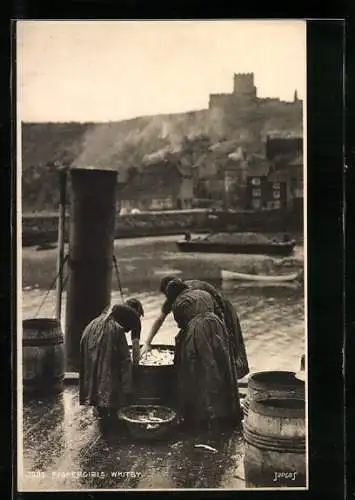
(275, 182)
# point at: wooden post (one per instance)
(91, 238)
(61, 235)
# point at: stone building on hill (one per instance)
(263, 191)
(245, 93)
(163, 186)
(276, 182)
(222, 174)
(238, 179)
(286, 153)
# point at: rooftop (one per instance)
(279, 176)
(258, 166)
(158, 180)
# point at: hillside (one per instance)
(133, 143)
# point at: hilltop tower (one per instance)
(244, 85)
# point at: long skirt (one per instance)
(236, 338)
(206, 383)
(106, 367)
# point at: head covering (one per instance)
(136, 305)
(174, 288)
(190, 304)
(126, 316)
(164, 283)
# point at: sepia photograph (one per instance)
(162, 255)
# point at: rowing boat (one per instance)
(229, 275)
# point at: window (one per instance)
(276, 185)
(272, 205)
(276, 194)
(255, 181)
(256, 192)
(256, 203)
(298, 193)
(168, 203)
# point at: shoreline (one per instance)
(43, 228)
(143, 262)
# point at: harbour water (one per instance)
(272, 319)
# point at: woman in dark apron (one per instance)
(105, 359)
(207, 386)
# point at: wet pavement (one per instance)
(65, 448)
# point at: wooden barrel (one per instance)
(275, 444)
(43, 356)
(155, 384)
(273, 385)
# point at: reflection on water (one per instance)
(143, 261)
(272, 319)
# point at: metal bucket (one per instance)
(155, 385)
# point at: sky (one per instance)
(115, 70)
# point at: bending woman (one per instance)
(223, 308)
(207, 388)
(105, 359)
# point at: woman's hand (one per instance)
(145, 349)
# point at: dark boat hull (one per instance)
(280, 249)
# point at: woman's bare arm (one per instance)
(155, 328)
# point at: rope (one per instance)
(65, 280)
(52, 285)
(118, 277)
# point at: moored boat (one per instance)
(237, 243)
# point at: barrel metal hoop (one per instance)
(279, 443)
(37, 342)
(275, 443)
(284, 393)
(271, 411)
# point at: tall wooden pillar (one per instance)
(91, 239)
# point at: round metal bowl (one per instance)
(141, 425)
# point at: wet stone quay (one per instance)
(66, 448)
